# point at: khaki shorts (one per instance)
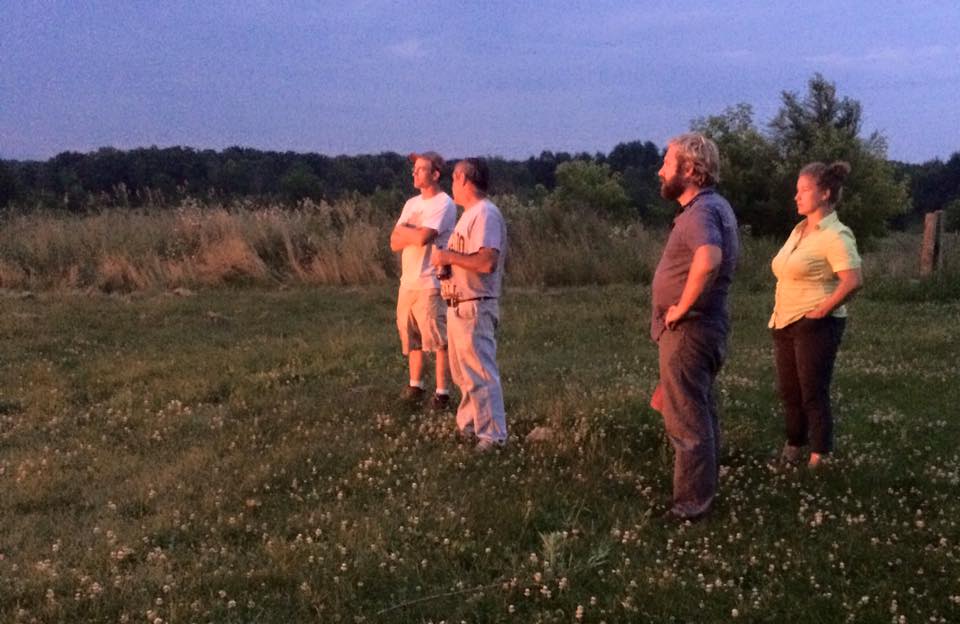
(421, 320)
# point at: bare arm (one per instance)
(405, 235)
(850, 282)
(703, 267)
(483, 261)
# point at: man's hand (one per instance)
(483, 261)
(703, 268)
(437, 258)
(674, 315)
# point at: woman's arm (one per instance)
(850, 282)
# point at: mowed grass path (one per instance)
(238, 456)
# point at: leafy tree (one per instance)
(802, 126)
(638, 162)
(822, 127)
(592, 187)
(748, 168)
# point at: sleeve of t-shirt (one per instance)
(702, 228)
(447, 223)
(489, 226)
(842, 252)
(404, 216)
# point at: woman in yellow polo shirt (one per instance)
(817, 270)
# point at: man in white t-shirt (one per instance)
(426, 222)
(476, 254)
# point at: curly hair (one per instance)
(702, 153)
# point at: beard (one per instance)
(672, 188)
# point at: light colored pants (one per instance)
(472, 347)
(421, 320)
(690, 358)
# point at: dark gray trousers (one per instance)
(690, 358)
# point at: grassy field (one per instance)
(237, 456)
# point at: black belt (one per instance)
(451, 304)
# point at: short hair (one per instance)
(828, 178)
(476, 172)
(702, 153)
(436, 160)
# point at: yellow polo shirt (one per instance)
(806, 269)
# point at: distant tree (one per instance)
(235, 176)
(748, 168)
(508, 177)
(104, 170)
(637, 162)
(301, 182)
(803, 126)
(643, 155)
(822, 127)
(951, 215)
(589, 186)
(542, 169)
(933, 184)
(8, 185)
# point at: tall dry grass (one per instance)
(122, 250)
(346, 243)
(194, 246)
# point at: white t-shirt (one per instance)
(437, 213)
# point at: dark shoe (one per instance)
(412, 395)
(787, 459)
(465, 436)
(486, 445)
(791, 454)
(440, 402)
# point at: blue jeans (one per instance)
(690, 358)
(805, 351)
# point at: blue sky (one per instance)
(493, 77)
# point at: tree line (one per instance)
(758, 173)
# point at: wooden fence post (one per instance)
(931, 256)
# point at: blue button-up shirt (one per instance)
(707, 219)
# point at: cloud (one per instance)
(408, 49)
(886, 57)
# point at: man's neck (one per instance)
(430, 192)
(472, 200)
(688, 195)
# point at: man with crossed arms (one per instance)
(425, 223)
